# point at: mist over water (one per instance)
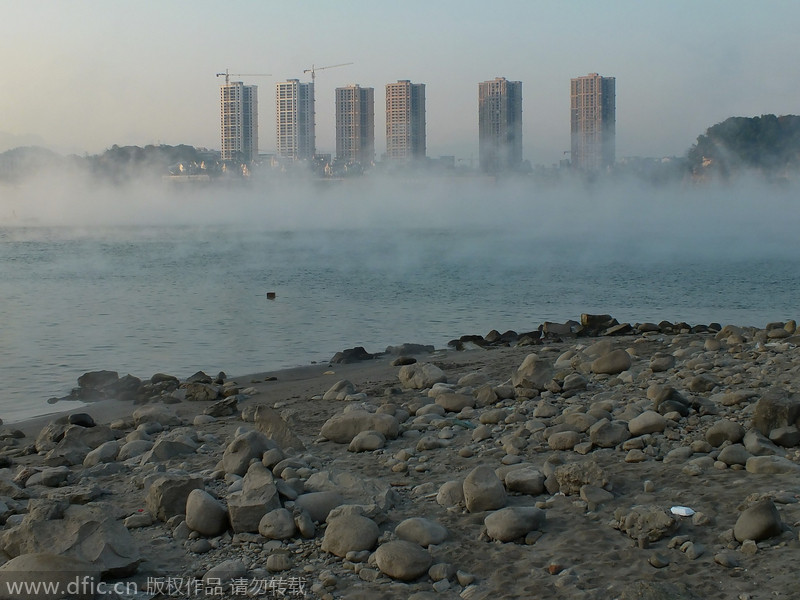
(148, 278)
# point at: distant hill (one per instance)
(767, 144)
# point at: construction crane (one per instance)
(313, 70)
(227, 75)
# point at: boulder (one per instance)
(269, 422)
(526, 480)
(514, 522)
(243, 449)
(205, 514)
(612, 363)
(608, 434)
(572, 476)
(339, 390)
(319, 504)
(342, 428)
(534, 373)
(483, 490)
(759, 522)
(773, 465)
(277, 524)
(350, 533)
(167, 495)
(649, 523)
(648, 422)
(88, 533)
(50, 571)
(403, 560)
(455, 402)
(419, 376)
(421, 531)
(724, 431)
(104, 453)
(774, 409)
(367, 441)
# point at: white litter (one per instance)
(682, 511)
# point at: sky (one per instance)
(83, 75)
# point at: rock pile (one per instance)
(460, 475)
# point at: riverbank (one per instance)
(638, 462)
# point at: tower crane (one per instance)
(313, 70)
(227, 75)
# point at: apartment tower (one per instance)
(500, 125)
(238, 121)
(593, 121)
(294, 120)
(405, 120)
(355, 124)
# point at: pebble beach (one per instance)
(583, 460)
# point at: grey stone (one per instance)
(526, 480)
(776, 408)
(339, 390)
(205, 514)
(724, 431)
(514, 522)
(403, 560)
(367, 441)
(572, 476)
(421, 531)
(483, 490)
(271, 424)
(534, 373)
(788, 437)
(342, 428)
(612, 363)
(650, 523)
(608, 434)
(420, 376)
(735, 454)
(277, 524)
(350, 533)
(455, 402)
(647, 422)
(771, 465)
(243, 449)
(226, 571)
(563, 440)
(167, 495)
(759, 522)
(104, 453)
(48, 571)
(319, 504)
(88, 533)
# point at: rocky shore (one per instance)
(589, 459)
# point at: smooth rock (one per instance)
(759, 522)
(205, 514)
(403, 560)
(511, 523)
(421, 531)
(483, 490)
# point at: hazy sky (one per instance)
(82, 75)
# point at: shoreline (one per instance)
(545, 466)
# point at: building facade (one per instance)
(355, 124)
(238, 121)
(405, 120)
(294, 120)
(593, 122)
(500, 125)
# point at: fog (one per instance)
(607, 220)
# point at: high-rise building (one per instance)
(238, 121)
(294, 121)
(405, 120)
(593, 121)
(355, 124)
(500, 125)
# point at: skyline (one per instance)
(80, 79)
